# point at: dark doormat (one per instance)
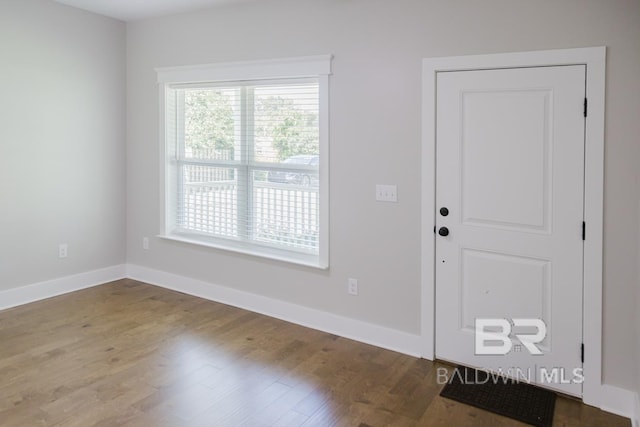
(518, 400)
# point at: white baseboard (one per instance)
(357, 330)
(51, 288)
(619, 401)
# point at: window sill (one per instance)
(305, 260)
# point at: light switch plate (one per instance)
(386, 193)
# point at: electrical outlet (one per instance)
(386, 193)
(145, 243)
(63, 250)
(352, 286)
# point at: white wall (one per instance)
(62, 115)
(375, 138)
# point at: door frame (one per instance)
(594, 59)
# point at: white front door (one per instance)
(509, 191)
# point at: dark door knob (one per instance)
(443, 231)
(444, 211)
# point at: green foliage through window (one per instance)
(288, 128)
(209, 123)
(282, 127)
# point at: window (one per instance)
(245, 157)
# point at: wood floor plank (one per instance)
(131, 354)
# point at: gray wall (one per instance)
(62, 124)
(375, 138)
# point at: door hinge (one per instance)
(585, 107)
(582, 352)
(584, 230)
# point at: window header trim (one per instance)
(299, 67)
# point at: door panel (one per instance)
(510, 170)
(495, 192)
(489, 278)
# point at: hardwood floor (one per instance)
(131, 354)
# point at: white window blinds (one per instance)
(244, 165)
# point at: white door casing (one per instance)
(594, 58)
(510, 159)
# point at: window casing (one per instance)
(246, 158)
